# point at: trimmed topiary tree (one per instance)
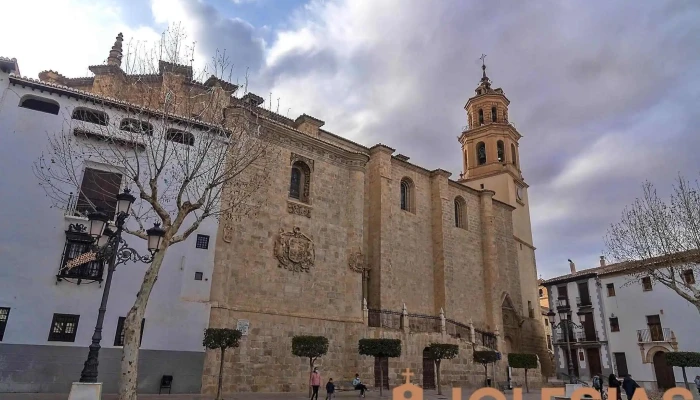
(524, 361)
(380, 349)
(439, 352)
(683, 359)
(221, 338)
(311, 347)
(485, 358)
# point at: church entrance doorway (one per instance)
(381, 364)
(428, 370)
(665, 378)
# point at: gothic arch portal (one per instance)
(511, 324)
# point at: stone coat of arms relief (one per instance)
(295, 251)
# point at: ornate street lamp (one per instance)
(110, 246)
(565, 322)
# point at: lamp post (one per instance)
(110, 245)
(567, 324)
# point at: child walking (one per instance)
(330, 389)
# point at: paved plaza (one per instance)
(427, 395)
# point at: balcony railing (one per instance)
(581, 336)
(563, 303)
(654, 335)
(583, 301)
(559, 336)
(384, 319)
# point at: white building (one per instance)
(47, 318)
(632, 324)
(645, 321)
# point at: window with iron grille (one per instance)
(202, 241)
(119, 335)
(646, 284)
(79, 242)
(64, 328)
(4, 314)
(198, 276)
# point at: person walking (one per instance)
(315, 383)
(614, 383)
(697, 382)
(330, 389)
(629, 385)
(358, 385)
(598, 385)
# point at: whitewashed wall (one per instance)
(631, 304)
(598, 318)
(31, 245)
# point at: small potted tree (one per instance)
(221, 338)
(311, 347)
(439, 352)
(380, 349)
(485, 358)
(683, 359)
(524, 361)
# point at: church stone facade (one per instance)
(357, 242)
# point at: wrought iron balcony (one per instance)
(78, 242)
(584, 302)
(655, 335)
(582, 337)
(560, 337)
(563, 302)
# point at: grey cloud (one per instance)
(574, 72)
(236, 37)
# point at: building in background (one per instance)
(47, 312)
(544, 310)
(624, 327)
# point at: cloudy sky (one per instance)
(605, 93)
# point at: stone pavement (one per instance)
(427, 395)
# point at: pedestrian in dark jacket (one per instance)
(629, 385)
(614, 383)
(330, 389)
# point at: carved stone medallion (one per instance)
(357, 261)
(295, 251)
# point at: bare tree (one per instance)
(188, 148)
(661, 239)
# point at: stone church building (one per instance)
(358, 242)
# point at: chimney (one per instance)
(572, 266)
(602, 261)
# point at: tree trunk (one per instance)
(311, 371)
(527, 388)
(221, 375)
(381, 377)
(685, 379)
(132, 329)
(486, 375)
(437, 368)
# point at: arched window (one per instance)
(178, 136)
(481, 117)
(136, 126)
(407, 195)
(91, 116)
(460, 212)
(300, 181)
(513, 154)
(481, 153)
(494, 114)
(501, 151)
(41, 104)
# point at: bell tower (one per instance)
(491, 161)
